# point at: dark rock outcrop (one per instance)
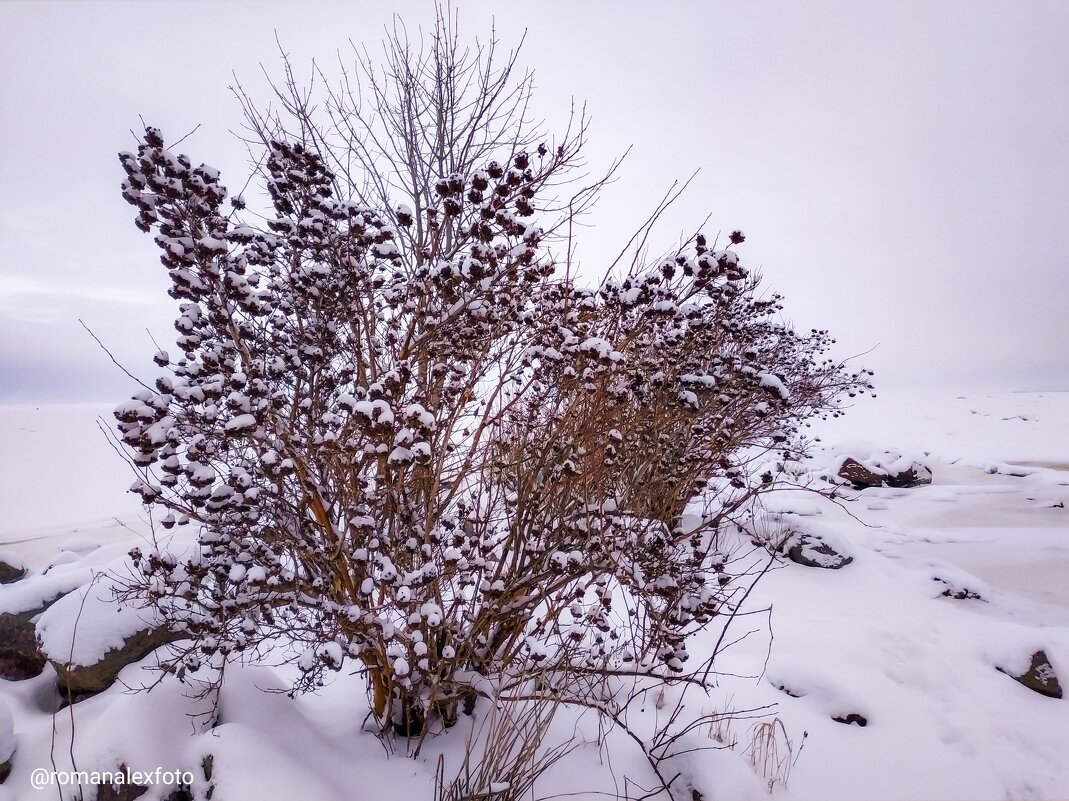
(956, 592)
(862, 476)
(852, 718)
(11, 573)
(1040, 676)
(130, 790)
(7, 741)
(20, 653)
(78, 681)
(20, 656)
(121, 792)
(915, 476)
(812, 551)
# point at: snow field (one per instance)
(876, 639)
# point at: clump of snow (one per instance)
(828, 691)
(775, 383)
(242, 422)
(597, 346)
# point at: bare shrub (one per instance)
(408, 437)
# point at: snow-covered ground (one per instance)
(875, 639)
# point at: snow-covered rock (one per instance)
(1040, 676)
(20, 656)
(11, 568)
(36, 593)
(888, 469)
(813, 551)
(89, 637)
(20, 604)
(952, 589)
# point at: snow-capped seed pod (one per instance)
(403, 214)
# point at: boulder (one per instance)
(75, 682)
(20, 605)
(121, 792)
(129, 790)
(20, 652)
(1040, 676)
(11, 570)
(888, 469)
(90, 635)
(20, 655)
(812, 551)
(860, 476)
(914, 476)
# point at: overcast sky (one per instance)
(901, 170)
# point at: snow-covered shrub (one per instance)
(410, 439)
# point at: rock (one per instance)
(860, 476)
(876, 472)
(75, 682)
(11, 571)
(915, 476)
(852, 718)
(20, 656)
(812, 551)
(958, 593)
(1040, 676)
(20, 653)
(89, 636)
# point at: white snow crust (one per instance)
(875, 639)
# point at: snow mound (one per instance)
(823, 688)
(37, 591)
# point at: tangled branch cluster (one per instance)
(408, 438)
